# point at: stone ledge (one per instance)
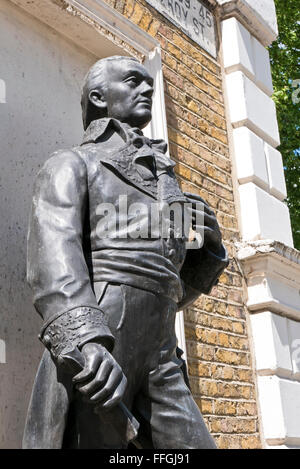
(267, 246)
(272, 273)
(258, 16)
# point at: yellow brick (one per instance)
(193, 106)
(137, 13)
(228, 442)
(246, 408)
(145, 21)
(219, 135)
(190, 333)
(205, 405)
(244, 375)
(212, 79)
(251, 442)
(225, 408)
(233, 425)
(238, 343)
(199, 369)
(171, 62)
(222, 372)
(220, 323)
(174, 51)
(220, 307)
(129, 6)
(232, 358)
(154, 28)
(196, 178)
(201, 351)
(178, 138)
(238, 327)
(184, 171)
(223, 340)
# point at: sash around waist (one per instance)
(140, 269)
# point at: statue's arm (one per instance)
(56, 267)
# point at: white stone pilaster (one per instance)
(272, 273)
(271, 268)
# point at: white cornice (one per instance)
(258, 16)
(265, 246)
(272, 274)
(83, 20)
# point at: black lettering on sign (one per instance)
(170, 5)
(198, 27)
(178, 10)
(186, 2)
(201, 13)
(208, 19)
(193, 17)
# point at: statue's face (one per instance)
(129, 93)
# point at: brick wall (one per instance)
(219, 358)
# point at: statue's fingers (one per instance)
(99, 381)
(117, 395)
(92, 363)
(110, 387)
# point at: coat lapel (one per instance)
(131, 161)
(123, 162)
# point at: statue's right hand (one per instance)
(102, 380)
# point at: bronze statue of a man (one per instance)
(113, 299)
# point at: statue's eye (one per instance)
(132, 80)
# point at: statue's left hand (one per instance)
(200, 210)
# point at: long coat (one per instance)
(71, 261)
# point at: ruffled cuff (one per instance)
(74, 328)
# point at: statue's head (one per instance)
(118, 87)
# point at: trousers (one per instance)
(157, 394)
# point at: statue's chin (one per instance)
(141, 118)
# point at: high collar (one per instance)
(98, 127)
(130, 135)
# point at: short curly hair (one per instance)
(96, 78)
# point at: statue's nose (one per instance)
(147, 90)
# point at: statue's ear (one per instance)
(97, 100)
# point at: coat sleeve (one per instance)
(200, 272)
(56, 268)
